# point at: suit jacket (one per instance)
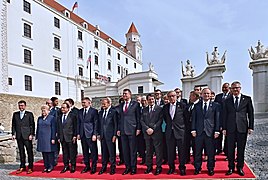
(108, 126)
(153, 121)
(88, 126)
(208, 122)
(129, 121)
(23, 127)
(55, 111)
(161, 102)
(74, 111)
(66, 131)
(220, 100)
(242, 118)
(178, 123)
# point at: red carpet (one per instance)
(220, 170)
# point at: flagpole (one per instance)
(90, 84)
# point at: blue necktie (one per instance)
(236, 102)
(64, 118)
(205, 108)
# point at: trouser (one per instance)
(88, 144)
(48, 158)
(29, 148)
(129, 144)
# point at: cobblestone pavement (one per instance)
(256, 155)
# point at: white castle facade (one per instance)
(45, 51)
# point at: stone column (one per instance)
(260, 84)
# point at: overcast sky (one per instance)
(176, 30)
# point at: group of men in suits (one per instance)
(202, 121)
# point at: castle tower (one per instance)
(133, 42)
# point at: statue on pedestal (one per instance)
(151, 67)
(261, 51)
(189, 69)
(215, 57)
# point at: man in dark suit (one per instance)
(74, 110)
(23, 129)
(87, 132)
(205, 127)
(238, 121)
(67, 136)
(179, 98)
(158, 98)
(174, 116)
(220, 98)
(151, 121)
(189, 139)
(120, 148)
(55, 111)
(128, 128)
(107, 133)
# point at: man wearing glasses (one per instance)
(238, 122)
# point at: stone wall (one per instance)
(7, 150)
(8, 104)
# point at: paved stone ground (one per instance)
(256, 155)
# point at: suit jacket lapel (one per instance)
(241, 101)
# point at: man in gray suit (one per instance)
(151, 121)
(174, 115)
(238, 122)
(205, 127)
(128, 128)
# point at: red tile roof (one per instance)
(55, 5)
(132, 29)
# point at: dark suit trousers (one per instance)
(48, 158)
(129, 144)
(120, 149)
(29, 148)
(203, 141)
(151, 144)
(141, 145)
(107, 151)
(165, 156)
(171, 147)
(218, 142)
(69, 153)
(240, 139)
(88, 144)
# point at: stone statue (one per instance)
(189, 69)
(261, 51)
(151, 67)
(215, 57)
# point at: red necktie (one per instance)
(126, 107)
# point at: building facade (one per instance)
(47, 50)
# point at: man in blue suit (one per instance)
(87, 132)
(107, 132)
(205, 127)
(128, 128)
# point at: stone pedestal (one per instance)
(7, 149)
(211, 77)
(260, 84)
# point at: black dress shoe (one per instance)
(86, 169)
(210, 172)
(112, 172)
(158, 171)
(49, 170)
(170, 171)
(133, 171)
(66, 168)
(218, 152)
(182, 172)
(148, 170)
(103, 170)
(72, 169)
(44, 170)
(240, 172)
(164, 162)
(196, 171)
(229, 172)
(93, 170)
(126, 171)
(120, 163)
